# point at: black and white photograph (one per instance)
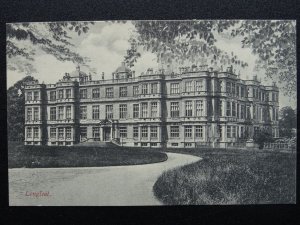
(151, 112)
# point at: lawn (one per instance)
(59, 156)
(230, 177)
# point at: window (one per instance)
(144, 110)
(123, 132)
(35, 132)
(35, 95)
(68, 132)
(144, 144)
(123, 111)
(135, 132)
(135, 90)
(36, 113)
(188, 131)
(153, 109)
(52, 95)
(153, 144)
(174, 144)
(145, 89)
(237, 90)
(199, 131)
(188, 86)
(68, 112)
(174, 88)
(238, 110)
(233, 131)
(188, 144)
(53, 113)
(29, 132)
(228, 131)
(233, 109)
(96, 93)
(83, 93)
(52, 132)
(220, 131)
(233, 88)
(83, 112)
(199, 85)
(188, 108)
(109, 92)
(174, 109)
(228, 87)
(242, 112)
(242, 91)
(29, 114)
(220, 108)
(96, 112)
(83, 132)
(254, 112)
(60, 112)
(60, 94)
(144, 132)
(109, 111)
(199, 108)
(123, 91)
(228, 109)
(153, 88)
(174, 131)
(68, 93)
(153, 132)
(96, 133)
(136, 109)
(29, 96)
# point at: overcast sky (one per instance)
(106, 44)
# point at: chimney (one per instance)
(102, 75)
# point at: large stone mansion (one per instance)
(196, 107)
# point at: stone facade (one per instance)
(196, 107)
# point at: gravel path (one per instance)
(93, 186)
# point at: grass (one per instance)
(59, 156)
(230, 177)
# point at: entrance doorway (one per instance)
(106, 133)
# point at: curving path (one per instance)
(94, 186)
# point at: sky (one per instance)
(106, 44)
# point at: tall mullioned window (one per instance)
(109, 111)
(123, 132)
(228, 109)
(60, 94)
(96, 112)
(136, 110)
(123, 111)
(233, 109)
(68, 93)
(83, 93)
(199, 85)
(228, 132)
(153, 109)
(53, 113)
(188, 86)
(52, 95)
(144, 110)
(238, 110)
(68, 112)
(35, 95)
(135, 90)
(36, 132)
(60, 112)
(96, 93)
(187, 131)
(199, 131)
(109, 92)
(68, 133)
(174, 88)
(145, 89)
(83, 112)
(144, 132)
(29, 132)
(123, 91)
(228, 87)
(83, 132)
(188, 108)
(96, 133)
(135, 132)
(199, 108)
(60, 133)
(36, 113)
(29, 96)
(174, 131)
(29, 114)
(53, 132)
(233, 128)
(174, 109)
(153, 88)
(153, 132)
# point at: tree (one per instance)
(262, 136)
(274, 42)
(23, 40)
(287, 122)
(16, 109)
